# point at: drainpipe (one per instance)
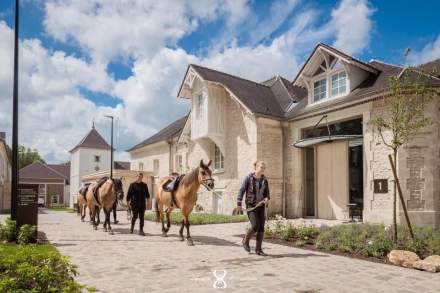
(283, 163)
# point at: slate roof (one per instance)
(93, 140)
(172, 130)
(257, 97)
(39, 170)
(430, 66)
(119, 165)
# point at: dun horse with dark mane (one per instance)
(185, 197)
(106, 196)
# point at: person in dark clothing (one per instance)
(136, 198)
(256, 188)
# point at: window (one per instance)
(141, 166)
(156, 167)
(339, 83)
(179, 163)
(42, 189)
(200, 106)
(320, 90)
(55, 199)
(97, 158)
(219, 160)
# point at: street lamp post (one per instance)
(14, 183)
(111, 145)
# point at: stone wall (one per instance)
(270, 150)
(240, 153)
(419, 174)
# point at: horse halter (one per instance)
(207, 182)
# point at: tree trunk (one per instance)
(395, 200)
(402, 200)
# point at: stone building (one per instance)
(5, 175)
(89, 157)
(323, 156)
(53, 182)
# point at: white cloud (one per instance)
(430, 52)
(108, 29)
(55, 115)
(352, 23)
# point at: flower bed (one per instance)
(366, 241)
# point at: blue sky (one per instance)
(84, 59)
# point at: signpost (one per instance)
(27, 205)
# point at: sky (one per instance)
(81, 60)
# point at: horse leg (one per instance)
(108, 221)
(98, 214)
(164, 231)
(181, 230)
(189, 240)
(83, 212)
(168, 221)
(105, 219)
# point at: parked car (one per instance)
(41, 201)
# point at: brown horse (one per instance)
(185, 197)
(108, 193)
(82, 206)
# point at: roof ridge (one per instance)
(235, 76)
(380, 61)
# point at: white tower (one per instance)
(90, 155)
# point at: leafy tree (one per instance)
(409, 95)
(27, 156)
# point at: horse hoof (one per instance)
(94, 227)
(111, 232)
(182, 238)
(190, 242)
(164, 235)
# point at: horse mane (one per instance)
(190, 177)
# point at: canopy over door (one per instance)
(332, 179)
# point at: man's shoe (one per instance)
(258, 250)
(141, 233)
(116, 222)
(261, 252)
(131, 229)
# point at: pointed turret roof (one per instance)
(92, 140)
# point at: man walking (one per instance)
(136, 198)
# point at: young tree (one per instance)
(27, 156)
(409, 94)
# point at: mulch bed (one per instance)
(308, 246)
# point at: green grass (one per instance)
(61, 209)
(200, 218)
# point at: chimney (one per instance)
(3, 135)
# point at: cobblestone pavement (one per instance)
(126, 262)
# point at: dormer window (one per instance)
(320, 89)
(200, 106)
(339, 84)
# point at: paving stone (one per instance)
(131, 263)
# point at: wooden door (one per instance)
(332, 180)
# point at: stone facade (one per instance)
(5, 178)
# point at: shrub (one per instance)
(36, 268)
(27, 234)
(307, 233)
(8, 231)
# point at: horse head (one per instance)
(205, 174)
(117, 183)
